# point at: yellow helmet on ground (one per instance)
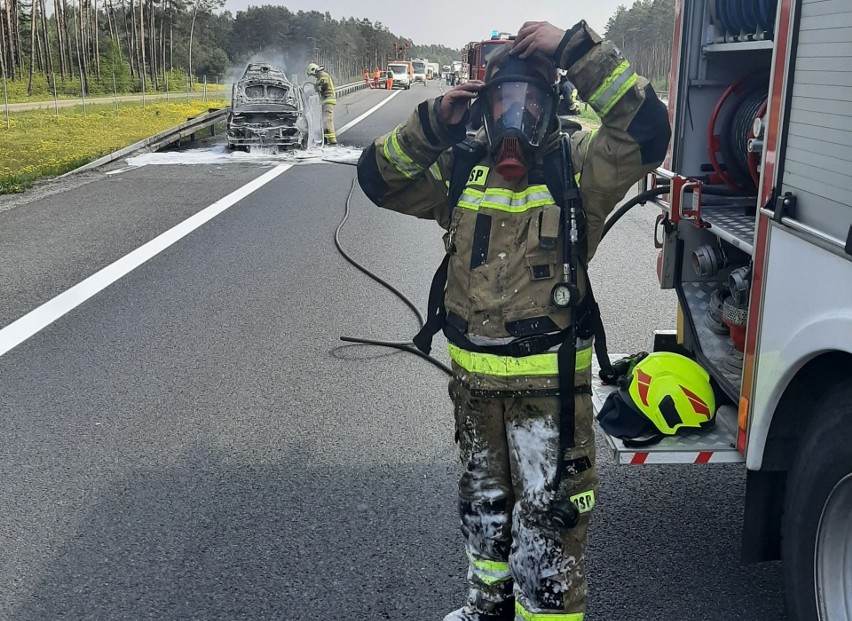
(312, 69)
(663, 394)
(672, 391)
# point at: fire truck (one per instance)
(475, 55)
(755, 237)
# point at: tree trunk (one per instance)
(19, 44)
(143, 67)
(3, 47)
(69, 52)
(152, 49)
(57, 18)
(10, 33)
(46, 37)
(83, 58)
(191, 32)
(33, 46)
(131, 57)
(80, 71)
(97, 37)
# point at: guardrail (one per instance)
(351, 88)
(158, 141)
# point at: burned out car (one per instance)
(267, 110)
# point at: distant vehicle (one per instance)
(445, 72)
(419, 66)
(475, 55)
(402, 73)
(433, 71)
(267, 110)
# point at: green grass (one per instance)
(40, 144)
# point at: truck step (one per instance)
(711, 446)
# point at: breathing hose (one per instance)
(408, 346)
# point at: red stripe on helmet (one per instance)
(644, 383)
(697, 403)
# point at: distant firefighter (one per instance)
(325, 87)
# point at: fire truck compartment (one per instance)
(717, 445)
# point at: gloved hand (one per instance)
(621, 370)
(541, 37)
(456, 101)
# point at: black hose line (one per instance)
(639, 199)
(400, 345)
(363, 269)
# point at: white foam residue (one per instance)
(533, 442)
(220, 154)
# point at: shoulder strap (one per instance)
(466, 155)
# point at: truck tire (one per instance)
(817, 526)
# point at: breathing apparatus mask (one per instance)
(517, 108)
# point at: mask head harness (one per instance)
(517, 108)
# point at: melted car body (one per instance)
(267, 110)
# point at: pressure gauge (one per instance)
(561, 295)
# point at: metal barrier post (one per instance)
(6, 103)
(114, 91)
(55, 104)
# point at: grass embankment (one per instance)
(588, 118)
(40, 144)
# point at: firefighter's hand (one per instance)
(456, 102)
(541, 37)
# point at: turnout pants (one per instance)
(520, 562)
(328, 132)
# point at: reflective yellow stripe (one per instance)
(501, 199)
(509, 366)
(547, 616)
(612, 90)
(436, 171)
(396, 156)
(331, 101)
(584, 501)
(489, 572)
(478, 175)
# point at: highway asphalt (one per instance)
(194, 441)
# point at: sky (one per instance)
(450, 22)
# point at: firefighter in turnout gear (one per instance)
(325, 87)
(523, 209)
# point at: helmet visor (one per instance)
(518, 105)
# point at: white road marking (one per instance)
(357, 120)
(36, 320)
(120, 170)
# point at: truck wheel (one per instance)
(817, 529)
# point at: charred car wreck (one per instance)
(267, 110)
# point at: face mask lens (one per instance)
(520, 106)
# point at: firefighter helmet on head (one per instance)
(313, 69)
